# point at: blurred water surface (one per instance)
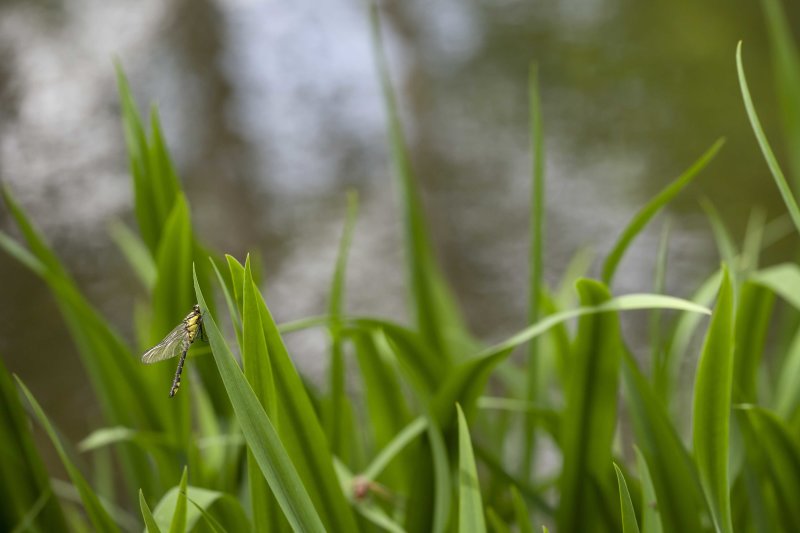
(273, 111)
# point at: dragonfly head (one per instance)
(196, 308)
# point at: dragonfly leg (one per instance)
(176, 383)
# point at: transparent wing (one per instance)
(171, 346)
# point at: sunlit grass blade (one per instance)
(262, 439)
(466, 381)
(679, 495)
(763, 143)
(786, 66)
(470, 504)
(27, 495)
(223, 508)
(233, 309)
(147, 515)
(434, 308)
(712, 406)
(629, 524)
(98, 516)
(646, 213)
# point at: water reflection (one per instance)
(273, 110)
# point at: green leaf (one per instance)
(261, 437)
(651, 520)
(679, 495)
(136, 253)
(149, 521)
(763, 143)
(777, 462)
(98, 516)
(223, 508)
(435, 313)
(465, 383)
(392, 449)
(470, 504)
(520, 512)
(646, 213)
(336, 423)
(712, 404)
(258, 372)
(629, 524)
(753, 313)
(27, 495)
(536, 263)
(178, 523)
(786, 66)
(590, 416)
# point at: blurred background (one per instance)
(273, 111)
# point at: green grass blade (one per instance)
(178, 523)
(651, 519)
(336, 427)
(258, 372)
(403, 439)
(135, 252)
(233, 309)
(679, 496)
(23, 477)
(300, 428)
(786, 65)
(212, 522)
(147, 515)
(779, 465)
(98, 516)
(496, 524)
(494, 464)
(657, 352)
(386, 406)
(261, 437)
(763, 143)
(646, 213)
(465, 383)
(629, 524)
(753, 314)
(225, 510)
(435, 311)
(470, 504)
(520, 512)
(712, 405)
(590, 415)
(536, 262)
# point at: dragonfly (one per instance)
(176, 343)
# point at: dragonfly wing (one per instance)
(170, 347)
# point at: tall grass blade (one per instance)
(651, 520)
(470, 504)
(135, 252)
(97, 515)
(520, 512)
(646, 213)
(629, 524)
(23, 477)
(590, 416)
(712, 405)
(336, 423)
(536, 261)
(178, 523)
(435, 312)
(149, 521)
(261, 437)
(763, 143)
(786, 65)
(676, 486)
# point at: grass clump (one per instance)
(249, 445)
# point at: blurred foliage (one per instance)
(248, 444)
